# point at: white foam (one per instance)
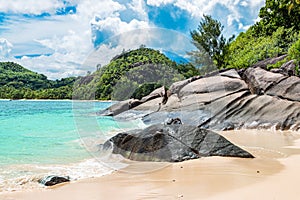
(25, 177)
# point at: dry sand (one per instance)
(273, 174)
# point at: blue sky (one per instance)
(62, 38)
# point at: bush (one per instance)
(247, 49)
(294, 53)
(144, 90)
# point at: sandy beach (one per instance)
(273, 174)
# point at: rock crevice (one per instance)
(172, 143)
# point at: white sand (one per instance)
(273, 174)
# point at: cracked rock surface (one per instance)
(253, 98)
(172, 143)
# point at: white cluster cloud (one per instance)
(30, 6)
(139, 6)
(159, 2)
(116, 26)
(5, 49)
(197, 8)
(87, 9)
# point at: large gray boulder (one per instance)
(288, 88)
(259, 80)
(172, 143)
(177, 86)
(213, 84)
(232, 73)
(159, 92)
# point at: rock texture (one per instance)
(287, 69)
(53, 180)
(180, 119)
(228, 99)
(172, 143)
(264, 63)
(260, 80)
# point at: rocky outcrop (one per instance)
(180, 119)
(212, 85)
(177, 86)
(120, 107)
(287, 69)
(259, 80)
(126, 105)
(288, 88)
(172, 143)
(228, 99)
(54, 180)
(270, 61)
(264, 82)
(159, 92)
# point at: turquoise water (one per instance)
(42, 137)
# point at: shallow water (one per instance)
(39, 138)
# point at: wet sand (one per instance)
(273, 174)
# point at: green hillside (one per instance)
(14, 75)
(129, 71)
(17, 82)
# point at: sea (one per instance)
(39, 138)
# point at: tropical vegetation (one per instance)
(276, 33)
(128, 72)
(17, 82)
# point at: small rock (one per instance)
(170, 121)
(53, 180)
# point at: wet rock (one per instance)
(54, 180)
(170, 121)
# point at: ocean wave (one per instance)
(26, 177)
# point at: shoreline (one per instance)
(56, 100)
(276, 160)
